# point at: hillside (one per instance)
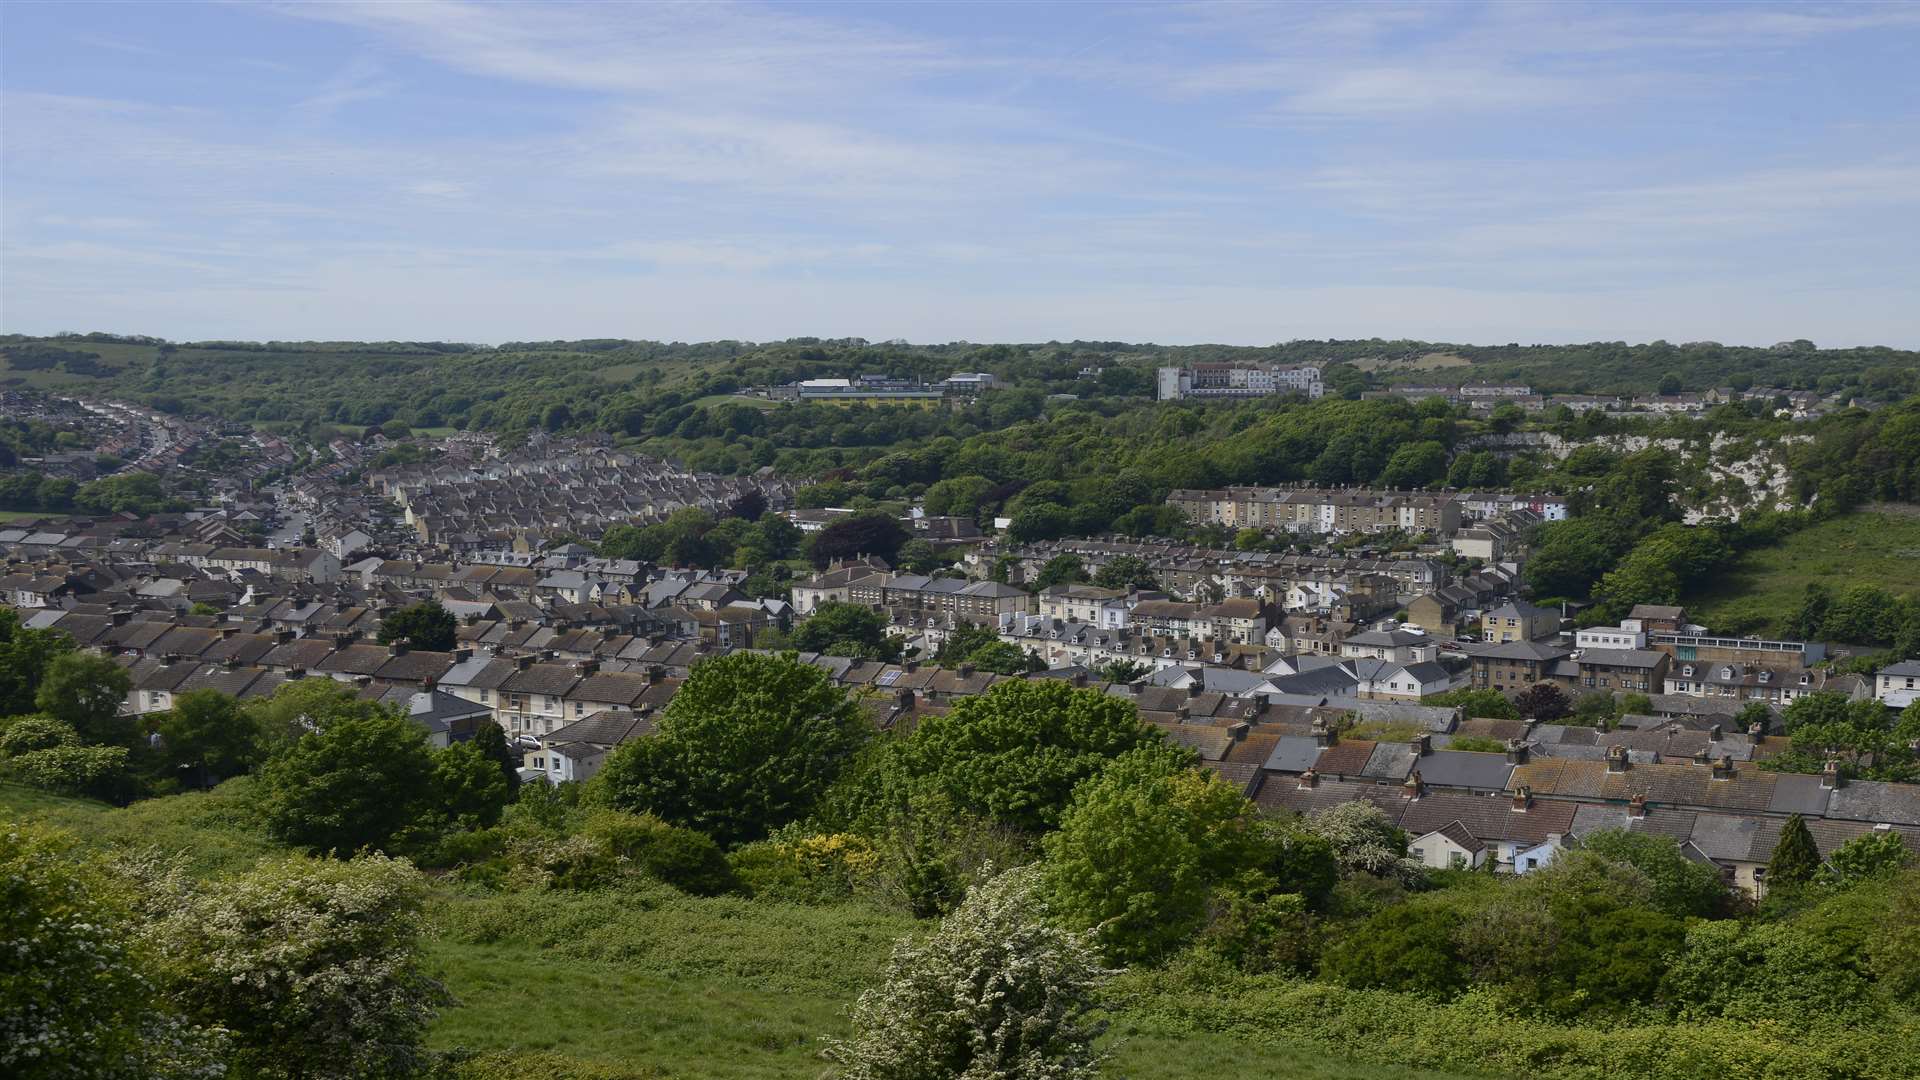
(647, 985)
(1760, 589)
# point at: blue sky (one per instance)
(986, 172)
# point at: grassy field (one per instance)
(1763, 588)
(649, 982)
(23, 515)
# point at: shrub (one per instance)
(997, 993)
(1766, 972)
(685, 859)
(807, 870)
(91, 772)
(26, 734)
(1409, 947)
(312, 964)
(76, 999)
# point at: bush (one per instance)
(89, 772)
(685, 859)
(1767, 972)
(1258, 930)
(807, 870)
(1476, 1033)
(1410, 947)
(26, 734)
(997, 993)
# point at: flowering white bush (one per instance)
(996, 993)
(1364, 841)
(312, 963)
(75, 1001)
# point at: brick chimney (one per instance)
(586, 667)
(397, 648)
(1237, 731)
(903, 697)
(1616, 758)
(522, 663)
(656, 675)
(1830, 777)
(1414, 787)
(1516, 752)
(1309, 780)
(1422, 744)
(462, 654)
(1322, 734)
(1757, 730)
(1522, 799)
(1637, 806)
(1723, 768)
(1714, 733)
(966, 671)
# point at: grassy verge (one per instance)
(1764, 587)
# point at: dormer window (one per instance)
(1726, 673)
(1687, 671)
(1766, 676)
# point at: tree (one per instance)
(1140, 848)
(748, 505)
(1040, 521)
(491, 740)
(209, 734)
(1124, 671)
(998, 992)
(1670, 383)
(76, 998)
(1483, 704)
(1635, 705)
(1752, 713)
(426, 626)
(1868, 857)
(313, 965)
(1542, 701)
(1015, 753)
(1795, 859)
(358, 783)
(1404, 947)
(24, 657)
(1364, 840)
(748, 744)
(1124, 572)
(841, 629)
(306, 705)
(85, 690)
(1060, 570)
(1681, 886)
(918, 557)
(868, 533)
(468, 786)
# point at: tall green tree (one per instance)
(1015, 753)
(425, 625)
(1796, 858)
(209, 736)
(86, 690)
(841, 629)
(358, 783)
(1141, 847)
(747, 745)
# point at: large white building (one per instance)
(1237, 380)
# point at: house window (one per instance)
(483, 696)
(1532, 863)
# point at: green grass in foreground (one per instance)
(649, 983)
(1763, 588)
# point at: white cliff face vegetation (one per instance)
(996, 993)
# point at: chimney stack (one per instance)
(1637, 806)
(1309, 780)
(1714, 733)
(1522, 799)
(1322, 734)
(522, 663)
(1422, 744)
(966, 671)
(656, 675)
(1616, 758)
(1516, 752)
(397, 648)
(1757, 730)
(1830, 777)
(1723, 769)
(1237, 730)
(1414, 787)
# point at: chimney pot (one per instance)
(1516, 752)
(1309, 779)
(1414, 787)
(1830, 777)
(1616, 758)
(1522, 798)
(1723, 769)
(1637, 806)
